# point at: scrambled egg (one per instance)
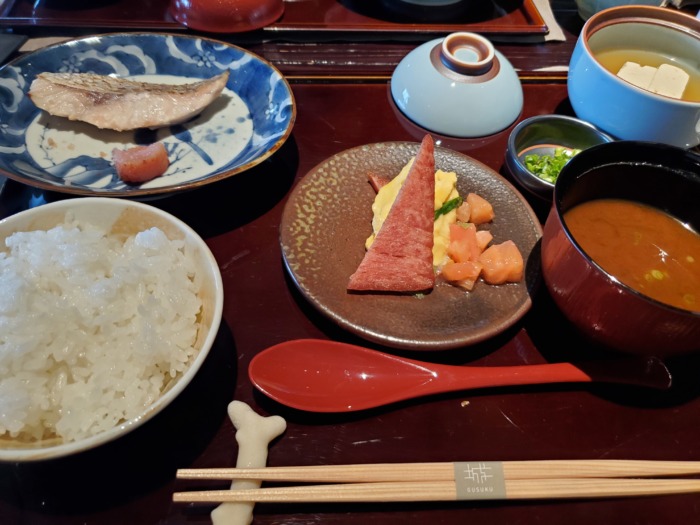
(445, 190)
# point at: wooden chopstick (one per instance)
(444, 471)
(517, 489)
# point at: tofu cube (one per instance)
(670, 81)
(640, 76)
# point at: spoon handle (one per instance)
(649, 372)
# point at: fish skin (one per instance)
(123, 104)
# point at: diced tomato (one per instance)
(462, 274)
(481, 210)
(463, 212)
(483, 238)
(463, 246)
(502, 263)
(377, 181)
(141, 163)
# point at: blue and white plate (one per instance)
(245, 125)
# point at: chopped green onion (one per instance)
(450, 205)
(547, 167)
(689, 299)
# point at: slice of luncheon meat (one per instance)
(122, 104)
(401, 257)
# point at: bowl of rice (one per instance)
(109, 308)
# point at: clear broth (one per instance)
(614, 59)
(641, 246)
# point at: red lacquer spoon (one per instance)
(325, 376)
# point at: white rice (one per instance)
(93, 327)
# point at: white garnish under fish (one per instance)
(122, 104)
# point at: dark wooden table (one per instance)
(132, 480)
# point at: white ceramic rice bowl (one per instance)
(123, 216)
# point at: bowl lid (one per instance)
(458, 86)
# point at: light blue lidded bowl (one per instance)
(459, 86)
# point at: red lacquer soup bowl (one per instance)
(596, 302)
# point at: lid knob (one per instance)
(467, 53)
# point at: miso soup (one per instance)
(614, 59)
(642, 247)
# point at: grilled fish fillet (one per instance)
(121, 104)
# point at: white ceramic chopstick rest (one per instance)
(254, 433)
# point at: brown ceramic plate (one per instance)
(323, 231)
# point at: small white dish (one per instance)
(459, 86)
